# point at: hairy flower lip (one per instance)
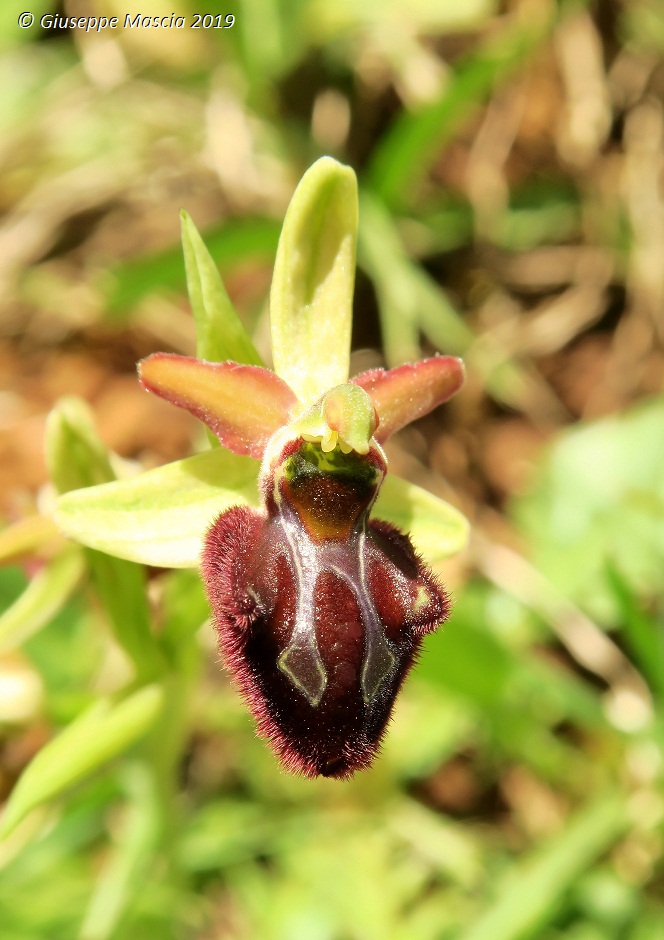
(319, 611)
(305, 672)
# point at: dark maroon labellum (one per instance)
(319, 611)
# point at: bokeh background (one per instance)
(510, 155)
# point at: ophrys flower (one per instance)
(320, 610)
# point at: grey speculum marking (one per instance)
(301, 660)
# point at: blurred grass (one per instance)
(510, 167)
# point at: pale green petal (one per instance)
(160, 517)
(311, 300)
(95, 737)
(437, 529)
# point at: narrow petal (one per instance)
(242, 405)
(160, 517)
(312, 288)
(410, 391)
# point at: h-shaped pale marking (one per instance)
(301, 660)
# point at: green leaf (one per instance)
(94, 738)
(642, 633)
(160, 517)
(408, 297)
(468, 659)
(130, 859)
(45, 595)
(406, 150)
(311, 299)
(220, 334)
(122, 589)
(438, 530)
(75, 454)
(527, 897)
(78, 458)
(598, 497)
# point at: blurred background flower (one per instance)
(510, 159)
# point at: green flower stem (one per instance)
(45, 595)
(121, 588)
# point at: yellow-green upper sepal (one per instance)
(311, 299)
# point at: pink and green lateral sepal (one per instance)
(244, 406)
(408, 392)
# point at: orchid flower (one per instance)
(319, 608)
